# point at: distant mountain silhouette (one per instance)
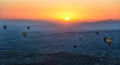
(40, 25)
(109, 21)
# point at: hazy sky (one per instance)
(59, 9)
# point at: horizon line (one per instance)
(58, 20)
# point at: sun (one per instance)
(67, 18)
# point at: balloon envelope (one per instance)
(24, 34)
(80, 39)
(5, 27)
(97, 33)
(74, 46)
(28, 27)
(108, 40)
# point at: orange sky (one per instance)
(59, 9)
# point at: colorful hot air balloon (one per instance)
(108, 40)
(24, 34)
(5, 27)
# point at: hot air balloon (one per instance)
(74, 46)
(24, 34)
(80, 39)
(5, 27)
(97, 32)
(28, 27)
(108, 40)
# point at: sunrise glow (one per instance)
(67, 18)
(59, 9)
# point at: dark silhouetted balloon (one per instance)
(24, 34)
(97, 32)
(80, 39)
(74, 46)
(108, 40)
(5, 27)
(28, 27)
